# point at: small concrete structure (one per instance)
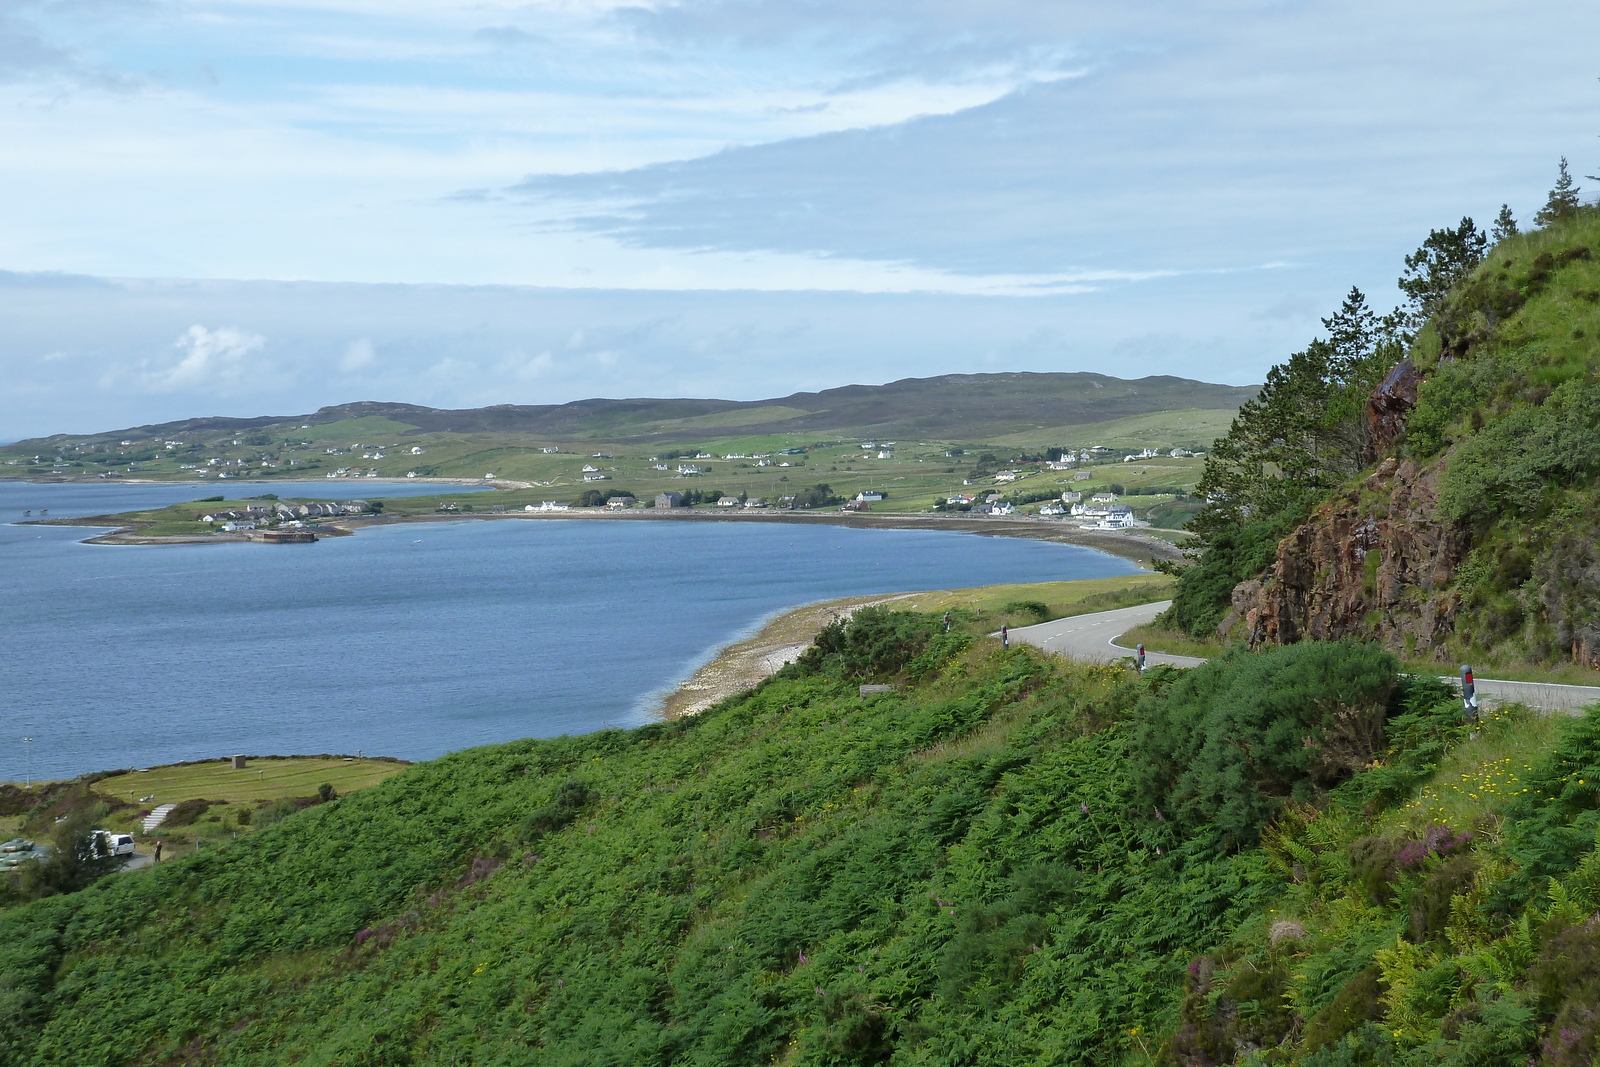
(238, 763)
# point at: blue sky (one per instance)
(219, 206)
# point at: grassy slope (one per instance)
(1028, 412)
(960, 872)
(778, 878)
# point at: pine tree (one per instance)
(1352, 332)
(1445, 258)
(1563, 202)
(1504, 225)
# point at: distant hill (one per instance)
(949, 407)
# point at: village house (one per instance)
(755, 502)
(1071, 497)
(617, 502)
(669, 500)
(594, 476)
(869, 496)
(727, 502)
(549, 450)
(1104, 498)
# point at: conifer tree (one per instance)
(1445, 258)
(1563, 202)
(1505, 225)
(1352, 332)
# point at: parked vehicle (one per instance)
(113, 844)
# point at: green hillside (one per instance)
(1005, 860)
(922, 420)
(1428, 481)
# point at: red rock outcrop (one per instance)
(1326, 582)
(1388, 407)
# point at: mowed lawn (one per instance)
(262, 779)
(1063, 598)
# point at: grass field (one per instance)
(1063, 598)
(263, 779)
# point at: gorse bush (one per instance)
(1225, 744)
(877, 643)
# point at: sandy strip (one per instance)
(743, 664)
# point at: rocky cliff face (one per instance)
(1374, 563)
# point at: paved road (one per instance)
(1092, 638)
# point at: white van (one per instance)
(114, 844)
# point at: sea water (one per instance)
(407, 640)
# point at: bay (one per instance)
(408, 640)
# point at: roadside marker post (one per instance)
(1469, 693)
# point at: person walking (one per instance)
(158, 850)
(1005, 637)
(947, 622)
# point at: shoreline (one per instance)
(745, 663)
(1138, 547)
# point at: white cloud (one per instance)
(358, 355)
(210, 361)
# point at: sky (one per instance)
(240, 208)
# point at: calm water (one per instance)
(407, 640)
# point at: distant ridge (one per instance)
(946, 407)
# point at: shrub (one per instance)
(1037, 608)
(570, 800)
(1228, 742)
(187, 813)
(874, 643)
(325, 792)
(1356, 1003)
(76, 861)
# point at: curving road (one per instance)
(1093, 639)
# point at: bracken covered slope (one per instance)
(1297, 856)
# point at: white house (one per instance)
(885, 455)
(1052, 509)
(595, 477)
(548, 505)
(416, 450)
(867, 496)
(1070, 497)
(727, 502)
(549, 450)
(1104, 498)
(589, 469)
